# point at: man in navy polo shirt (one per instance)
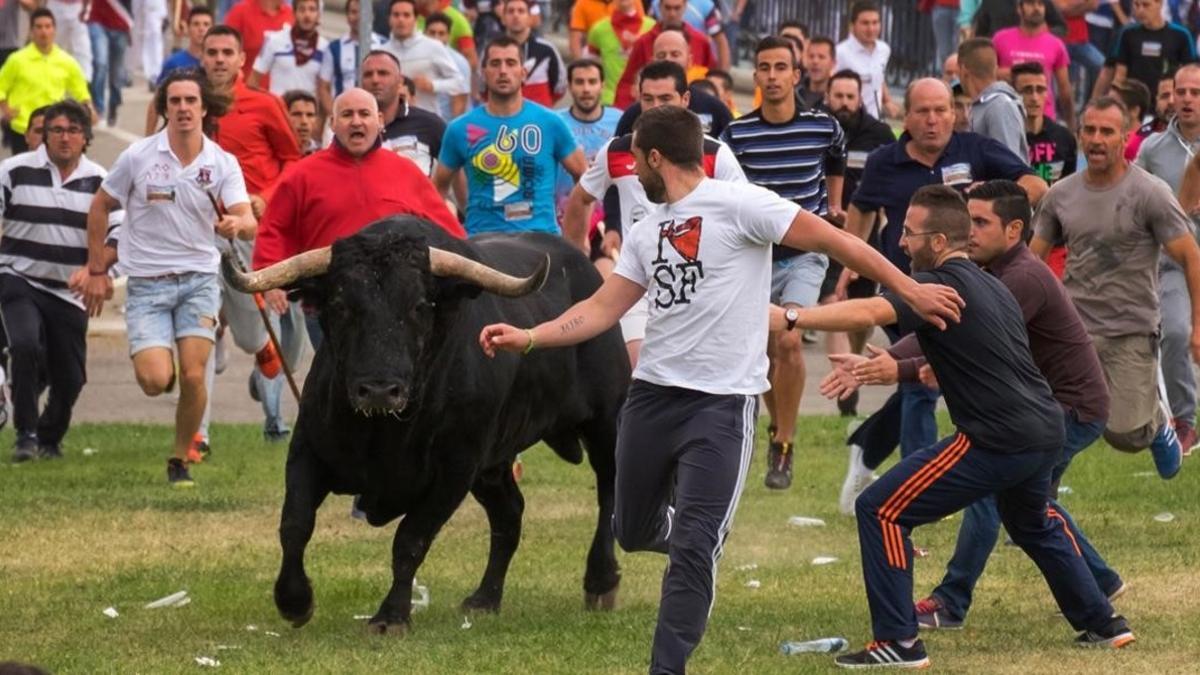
(929, 152)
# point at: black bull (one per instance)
(402, 407)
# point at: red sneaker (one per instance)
(1187, 435)
(268, 360)
(198, 450)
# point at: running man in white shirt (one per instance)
(864, 53)
(687, 430)
(298, 58)
(166, 184)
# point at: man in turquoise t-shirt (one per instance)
(510, 149)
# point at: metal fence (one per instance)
(906, 30)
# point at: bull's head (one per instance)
(377, 300)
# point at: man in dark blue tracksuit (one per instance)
(1009, 434)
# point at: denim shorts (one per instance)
(797, 280)
(161, 310)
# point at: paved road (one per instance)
(112, 394)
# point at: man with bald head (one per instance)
(928, 153)
(671, 45)
(337, 191)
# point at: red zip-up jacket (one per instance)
(255, 130)
(331, 194)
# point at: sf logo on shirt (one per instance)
(675, 281)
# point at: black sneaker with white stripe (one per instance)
(1114, 635)
(886, 654)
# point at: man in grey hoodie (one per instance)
(996, 108)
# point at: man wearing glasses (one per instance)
(45, 195)
(929, 152)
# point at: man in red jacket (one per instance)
(335, 192)
(670, 15)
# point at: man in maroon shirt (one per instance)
(670, 15)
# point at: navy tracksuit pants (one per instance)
(942, 479)
(682, 459)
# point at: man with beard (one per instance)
(510, 149)
(413, 132)
(1033, 41)
(1063, 352)
(1114, 219)
(1008, 438)
(298, 58)
(687, 429)
(799, 154)
(592, 125)
(863, 135)
(820, 60)
(928, 152)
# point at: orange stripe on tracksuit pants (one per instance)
(943, 479)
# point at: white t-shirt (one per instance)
(169, 219)
(870, 66)
(706, 261)
(278, 60)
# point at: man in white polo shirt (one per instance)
(864, 53)
(166, 183)
(687, 429)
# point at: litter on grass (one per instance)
(420, 598)
(361, 617)
(271, 633)
(824, 560)
(111, 612)
(805, 521)
(1165, 517)
(747, 568)
(1144, 474)
(251, 627)
(223, 648)
(88, 452)
(753, 583)
(466, 623)
(1065, 490)
(208, 661)
(178, 599)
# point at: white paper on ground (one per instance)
(806, 521)
(823, 560)
(466, 623)
(1165, 517)
(753, 583)
(111, 612)
(747, 568)
(171, 600)
(208, 661)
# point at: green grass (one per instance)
(86, 533)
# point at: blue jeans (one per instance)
(108, 66)
(1086, 61)
(945, 32)
(981, 527)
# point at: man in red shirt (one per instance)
(670, 15)
(253, 19)
(337, 191)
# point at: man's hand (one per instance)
(836, 215)
(842, 290)
(277, 300)
(503, 337)
(423, 84)
(840, 383)
(96, 289)
(258, 205)
(936, 303)
(925, 374)
(229, 226)
(881, 368)
(611, 244)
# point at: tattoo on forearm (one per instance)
(570, 325)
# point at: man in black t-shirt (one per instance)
(1149, 49)
(1051, 145)
(1009, 433)
(412, 132)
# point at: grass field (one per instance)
(90, 532)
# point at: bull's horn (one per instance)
(282, 273)
(447, 264)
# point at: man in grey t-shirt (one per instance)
(1114, 218)
(996, 109)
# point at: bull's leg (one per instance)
(602, 577)
(305, 490)
(500, 497)
(413, 538)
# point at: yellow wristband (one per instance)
(528, 347)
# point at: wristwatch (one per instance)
(792, 317)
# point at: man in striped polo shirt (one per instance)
(799, 154)
(45, 196)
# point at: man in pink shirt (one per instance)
(1031, 40)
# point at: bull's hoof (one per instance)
(394, 628)
(295, 605)
(477, 602)
(605, 602)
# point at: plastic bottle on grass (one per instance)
(823, 646)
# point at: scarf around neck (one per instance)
(305, 43)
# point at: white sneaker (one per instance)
(858, 477)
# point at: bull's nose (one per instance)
(380, 395)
